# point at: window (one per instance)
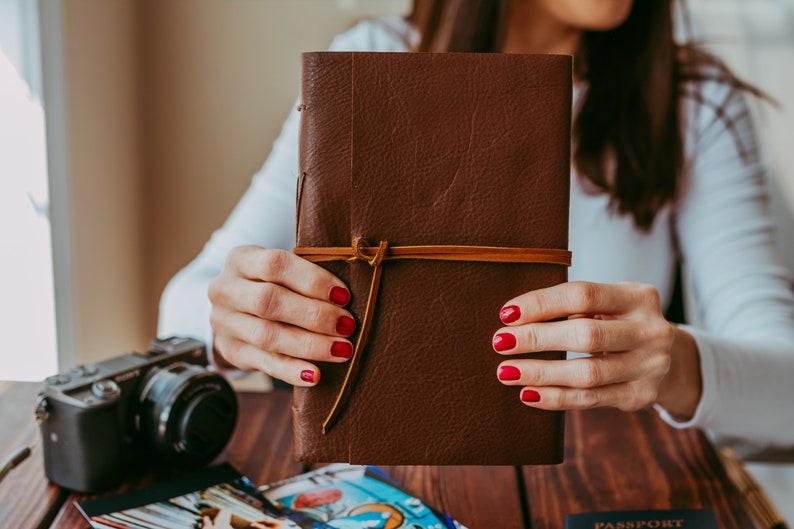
(27, 315)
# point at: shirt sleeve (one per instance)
(727, 237)
(265, 215)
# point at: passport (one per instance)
(655, 519)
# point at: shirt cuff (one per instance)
(705, 409)
(743, 382)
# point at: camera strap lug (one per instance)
(42, 411)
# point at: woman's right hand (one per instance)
(276, 312)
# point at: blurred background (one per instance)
(156, 115)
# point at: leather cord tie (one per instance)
(360, 250)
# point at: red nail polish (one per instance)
(530, 395)
(307, 375)
(342, 349)
(504, 341)
(339, 296)
(345, 325)
(509, 314)
(509, 373)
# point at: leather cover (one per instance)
(433, 149)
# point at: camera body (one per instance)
(161, 407)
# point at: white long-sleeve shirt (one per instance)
(725, 235)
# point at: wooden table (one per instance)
(614, 461)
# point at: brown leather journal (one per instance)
(445, 177)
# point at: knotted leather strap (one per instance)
(360, 250)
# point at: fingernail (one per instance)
(345, 325)
(530, 395)
(504, 341)
(307, 375)
(339, 296)
(509, 373)
(342, 349)
(509, 314)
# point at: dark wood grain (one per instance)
(629, 461)
(478, 497)
(614, 461)
(261, 447)
(26, 497)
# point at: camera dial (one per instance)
(186, 412)
(105, 389)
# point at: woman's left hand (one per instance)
(621, 325)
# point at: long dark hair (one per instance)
(627, 136)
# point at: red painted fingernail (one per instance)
(345, 325)
(342, 349)
(509, 373)
(509, 314)
(339, 296)
(307, 375)
(530, 395)
(504, 341)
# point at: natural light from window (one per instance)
(27, 316)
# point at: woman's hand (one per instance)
(276, 312)
(637, 356)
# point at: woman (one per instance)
(665, 168)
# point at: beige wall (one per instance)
(171, 106)
(102, 130)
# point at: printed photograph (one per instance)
(216, 497)
(338, 496)
(354, 497)
(217, 507)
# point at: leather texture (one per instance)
(360, 250)
(427, 149)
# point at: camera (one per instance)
(163, 407)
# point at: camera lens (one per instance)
(187, 412)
